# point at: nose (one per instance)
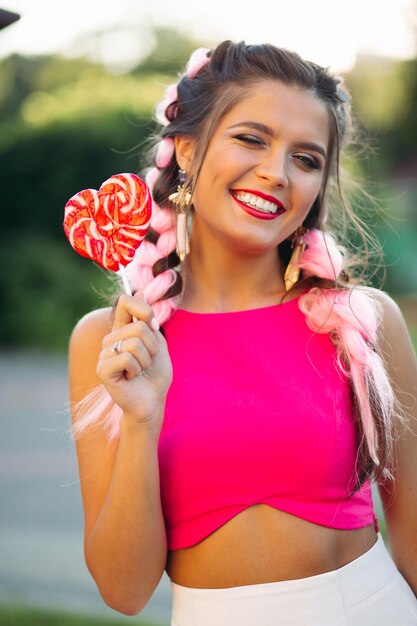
(273, 168)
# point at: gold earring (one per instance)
(292, 273)
(182, 199)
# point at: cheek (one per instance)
(225, 164)
(309, 190)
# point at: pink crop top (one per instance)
(256, 413)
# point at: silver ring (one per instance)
(117, 347)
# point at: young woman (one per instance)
(229, 416)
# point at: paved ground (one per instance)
(41, 559)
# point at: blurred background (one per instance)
(77, 85)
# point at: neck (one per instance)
(216, 278)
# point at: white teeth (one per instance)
(257, 202)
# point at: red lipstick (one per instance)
(254, 212)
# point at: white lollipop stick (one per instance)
(126, 284)
(125, 279)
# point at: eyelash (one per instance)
(309, 162)
(250, 139)
(306, 160)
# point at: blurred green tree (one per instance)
(68, 124)
(385, 103)
(65, 124)
(170, 52)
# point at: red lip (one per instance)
(262, 195)
(259, 214)
(254, 212)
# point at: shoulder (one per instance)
(398, 351)
(85, 346)
(389, 306)
(393, 331)
(395, 342)
(393, 327)
(92, 327)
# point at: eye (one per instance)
(250, 139)
(308, 161)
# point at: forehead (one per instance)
(286, 110)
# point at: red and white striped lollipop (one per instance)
(108, 225)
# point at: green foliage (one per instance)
(380, 93)
(47, 289)
(401, 139)
(19, 616)
(413, 334)
(68, 124)
(385, 104)
(169, 54)
(46, 166)
(385, 101)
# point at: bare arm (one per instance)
(125, 539)
(399, 497)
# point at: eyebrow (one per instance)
(307, 145)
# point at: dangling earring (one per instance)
(292, 273)
(182, 199)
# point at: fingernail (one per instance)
(155, 323)
(140, 293)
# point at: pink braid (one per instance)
(151, 177)
(197, 61)
(98, 409)
(139, 270)
(170, 96)
(322, 257)
(352, 318)
(165, 152)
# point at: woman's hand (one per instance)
(134, 363)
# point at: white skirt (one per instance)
(369, 591)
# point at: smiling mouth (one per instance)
(258, 202)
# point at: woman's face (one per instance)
(269, 152)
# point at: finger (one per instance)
(122, 365)
(134, 367)
(154, 322)
(138, 350)
(132, 307)
(138, 329)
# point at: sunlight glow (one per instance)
(119, 33)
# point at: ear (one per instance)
(184, 150)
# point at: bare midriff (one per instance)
(261, 545)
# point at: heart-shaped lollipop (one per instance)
(108, 225)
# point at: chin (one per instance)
(252, 247)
